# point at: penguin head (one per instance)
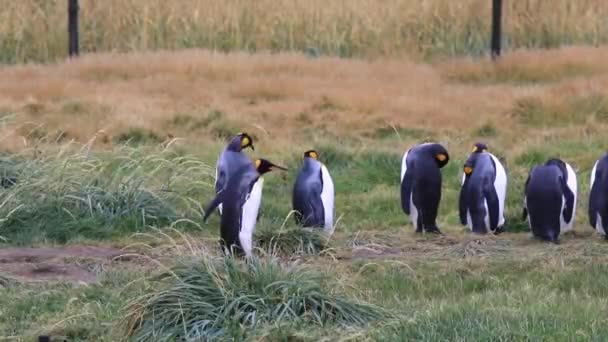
(246, 141)
(263, 166)
(555, 161)
(440, 154)
(240, 142)
(480, 147)
(311, 154)
(560, 164)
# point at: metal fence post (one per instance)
(73, 28)
(496, 27)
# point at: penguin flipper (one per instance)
(220, 179)
(462, 202)
(594, 207)
(493, 205)
(406, 190)
(524, 213)
(569, 196)
(217, 200)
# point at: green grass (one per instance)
(66, 194)
(207, 299)
(453, 288)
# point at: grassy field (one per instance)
(116, 151)
(34, 30)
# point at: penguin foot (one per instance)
(418, 230)
(433, 230)
(499, 231)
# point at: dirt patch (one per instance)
(78, 264)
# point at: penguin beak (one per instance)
(252, 148)
(279, 167)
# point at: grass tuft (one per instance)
(214, 298)
(291, 241)
(62, 195)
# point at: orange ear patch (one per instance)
(468, 170)
(441, 157)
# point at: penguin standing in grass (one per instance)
(421, 184)
(241, 198)
(598, 196)
(483, 192)
(550, 199)
(230, 160)
(313, 194)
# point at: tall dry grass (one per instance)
(35, 30)
(290, 99)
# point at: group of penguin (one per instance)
(549, 206)
(550, 192)
(238, 188)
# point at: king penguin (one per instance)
(598, 196)
(483, 192)
(241, 200)
(550, 199)
(421, 184)
(313, 194)
(231, 159)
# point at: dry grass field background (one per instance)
(106, 162)
(36, 30)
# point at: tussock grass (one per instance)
(291, 241)
(62, 194)
(212, 298)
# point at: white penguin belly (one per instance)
(563, 225)
(599, 225)
(249, 216)
(327, 197)
(413, 212)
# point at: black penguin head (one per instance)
(556, 161)
(263, 166)
(311, 154)
(241, 141)
(440, 154)
(479, 147)
(560, 164)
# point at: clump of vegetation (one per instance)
(486, 130)
(292, 240)
(212, 298)
(61, 195)
(137, 136)
(534, 111)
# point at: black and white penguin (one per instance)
(483, 192)
(230, 160)
(313, 194)
(421, 184)
(241, 200)
(550, 199)
(598, 196)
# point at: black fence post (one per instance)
(496, 27)
(73, 28)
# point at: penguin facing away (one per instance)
(598, 196)
(230, 160)
(241, 200)
(421, 184)
(550, 199)
(313, 194)
(483, 192)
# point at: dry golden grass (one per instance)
(201, 96)
(36, 30)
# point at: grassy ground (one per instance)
(34, 30)
(113, 145)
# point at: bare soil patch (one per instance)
(78, 264)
